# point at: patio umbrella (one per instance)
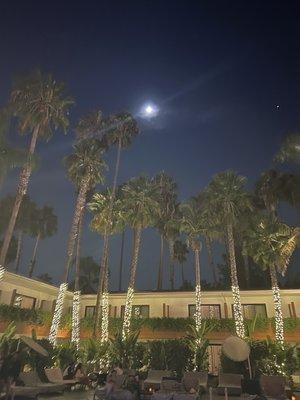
(236, 349)
(34, 346)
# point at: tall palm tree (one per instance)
(85, 169)
(106, 222)
(211, 231)
(193, 225)
(271, 243)
(180, 253)
(24, 223)
(44, 225)
(10, 157)
(290, 149)
(228, 200)
(39, 104)
(120, 131)
(166, 222)
(75, 334)
(140, 201)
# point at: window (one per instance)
(251, 310)
(208, 311)
(89, 311)
(137, 311)
(22, 301)
(46, 305)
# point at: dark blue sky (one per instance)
(217, 71)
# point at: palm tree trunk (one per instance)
(182, 273)
(104, 259)
(130, 291)
(33, 259)
(247, 270)
(279, 334)
(75, 337)
(172, 273)
(121, 260)
(105, 307)
(237, 305)
(197, 290)
(160, 266)
(210, 259)
(100, 284)
(80, 204)
(21, 191)
(19, 251)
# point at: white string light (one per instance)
(198, 308)
(278, 314)
(237, 312)
(57, 313)
(127, 313)
(75, 337)
(105, 315)
(2, 271)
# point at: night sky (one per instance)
(225, 76)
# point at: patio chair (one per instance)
(54, 375)
(31, 379)
(233, 383)
(118, 393)
(296, 381)
(167, 389)
(195, 380)
(24, 391)
(154, 379)
(273, 387)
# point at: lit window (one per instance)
(251, 310)
(90, 311)
(22, 301)
(138, 311)
(208, 311)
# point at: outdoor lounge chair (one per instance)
(31, 379)
(23, 391)
(273, 387)
(233, 383)
(54, 375)
(119, 393)
(195, 380)
(154, 379)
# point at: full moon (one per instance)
(149, 110)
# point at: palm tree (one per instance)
(180, 253)
(140, 207)
(45, 277)
(275, 186)
(41, 108)
(120, 130)
(193, 225)
(106, 222)
(75, 334)
(85, 169)
(165, 221)
(290, 149)
(23, 224)
(271, 243)
(121, 260)
(228, 200)
(211, 231)
(44, 225)
(10, 157)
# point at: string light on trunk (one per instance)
(127, 313)
(57, 313)
(75, 337)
